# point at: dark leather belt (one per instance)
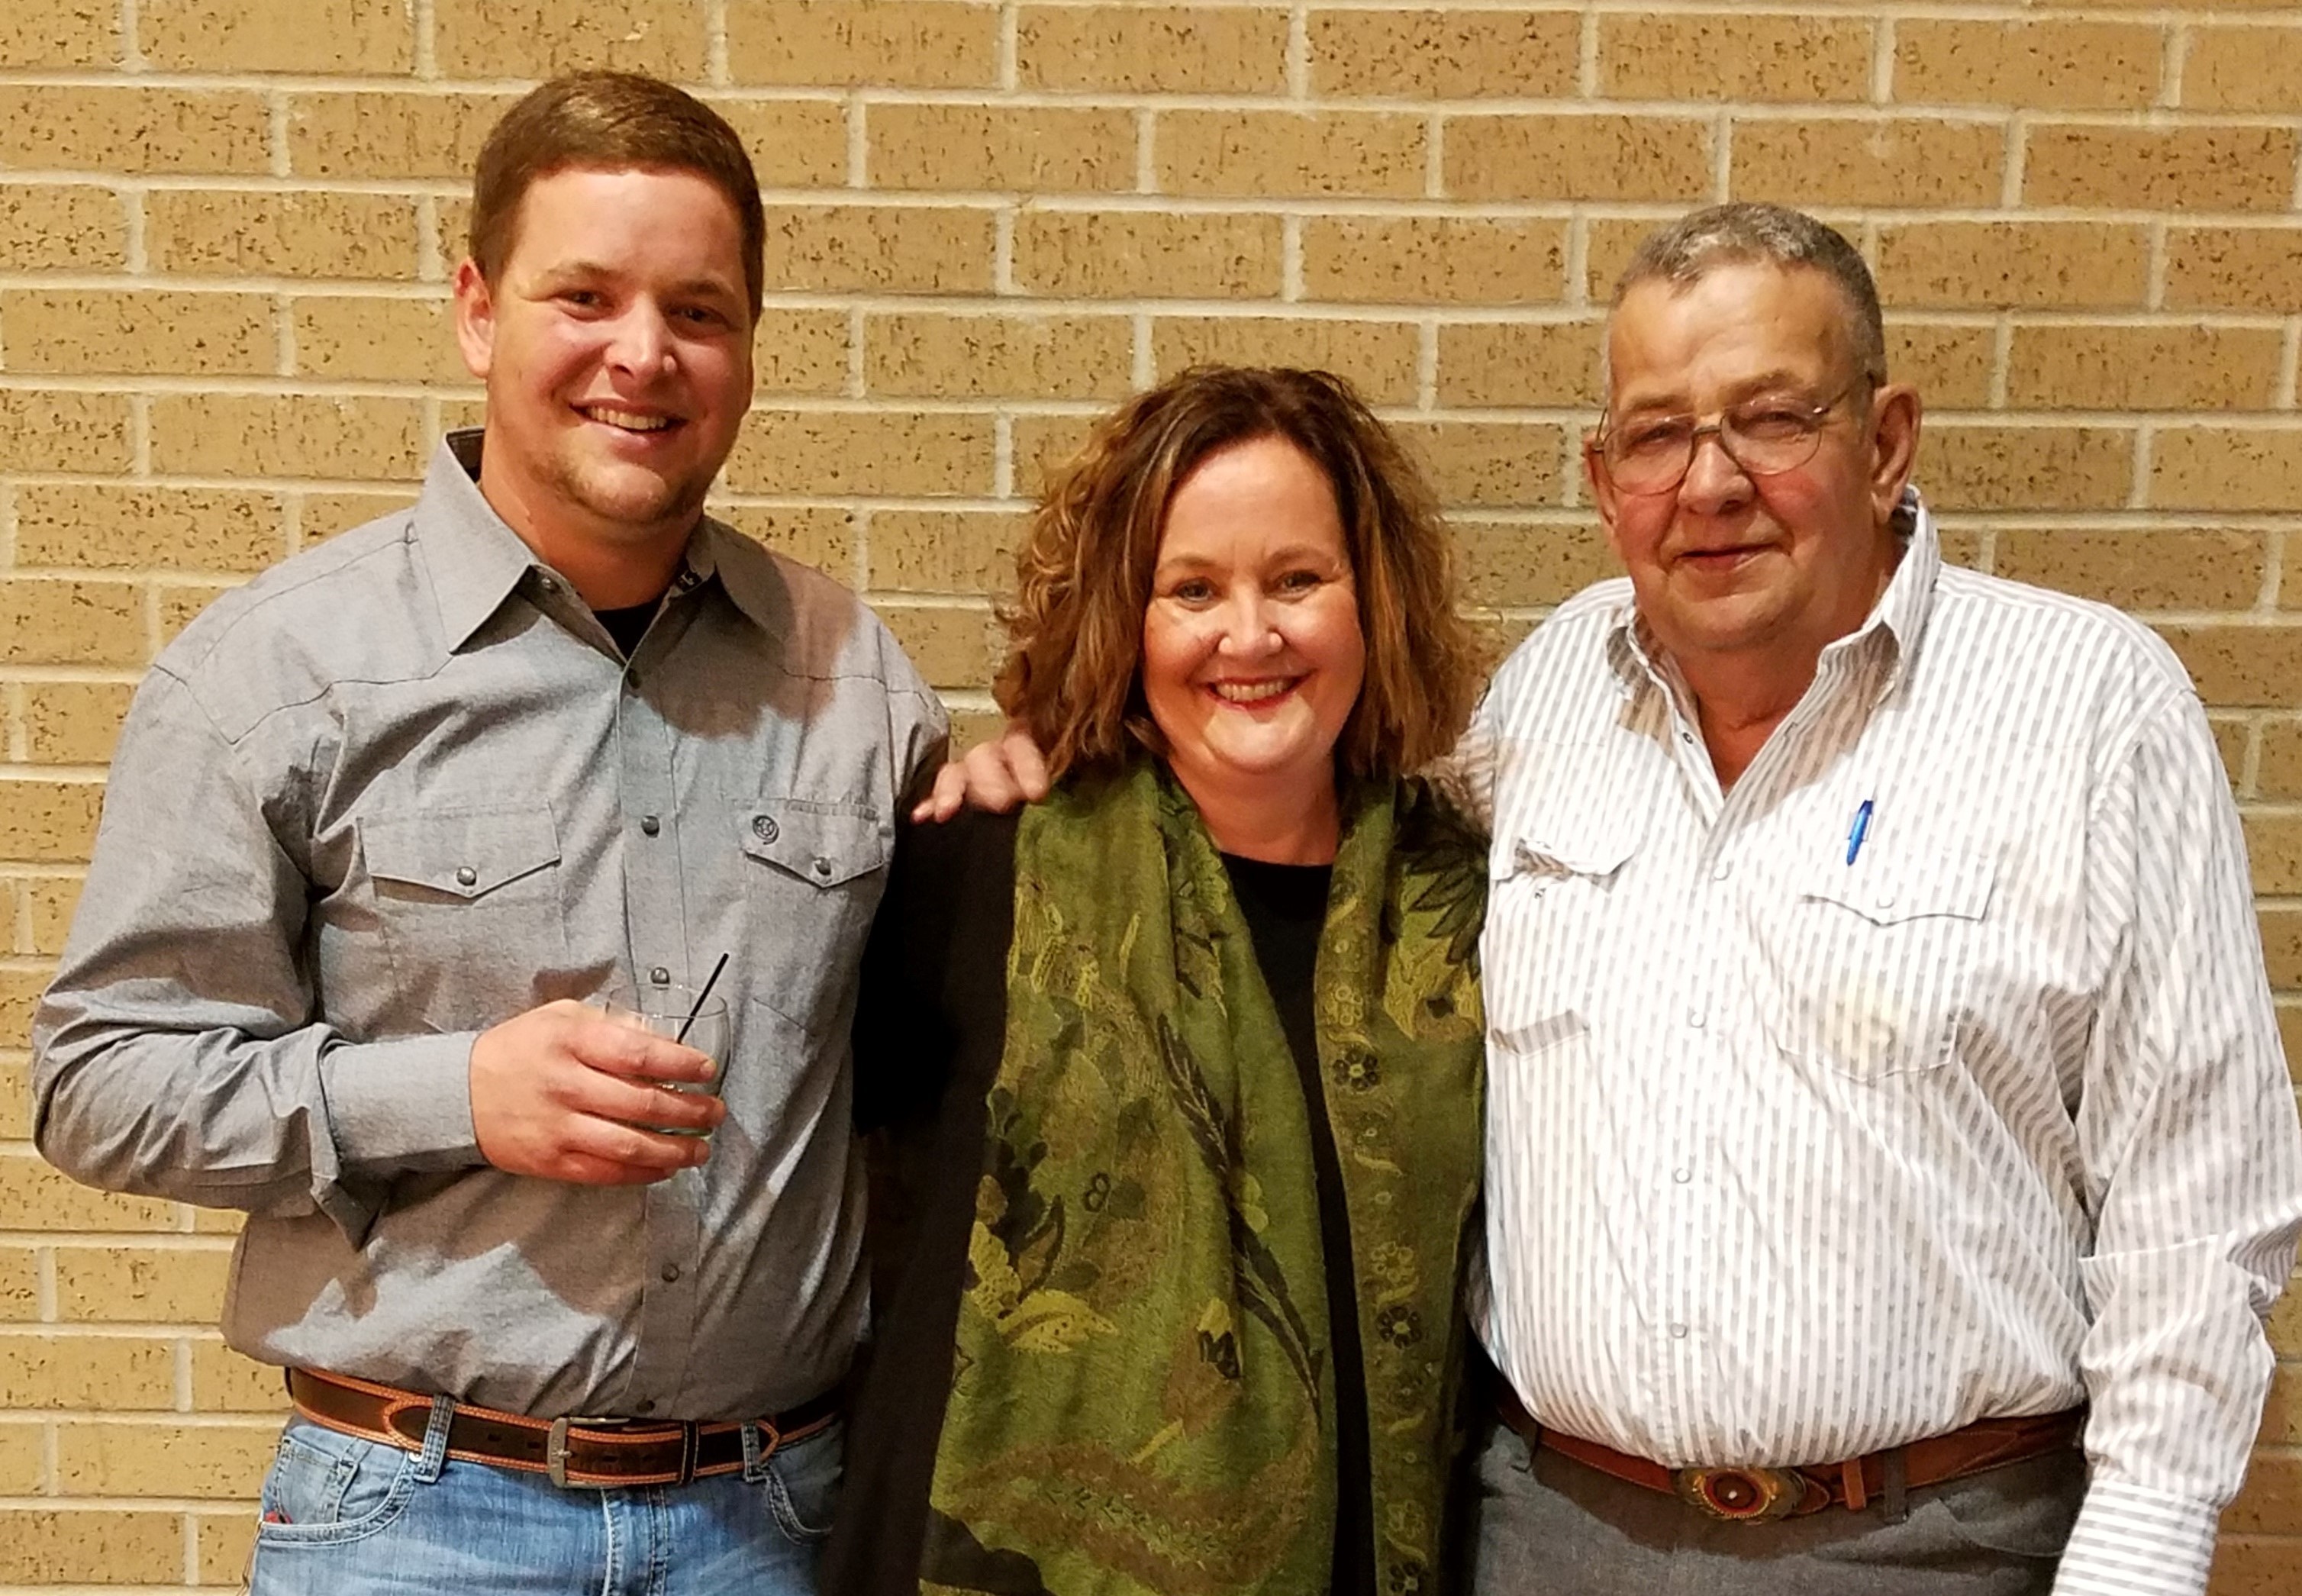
(581, 1451)
(1755, 1495)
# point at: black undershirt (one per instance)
(1285, 906)
(629, 625)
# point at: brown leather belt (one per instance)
(581, 1451)
(1754, 1495)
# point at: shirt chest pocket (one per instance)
(1871, 969)
(813, 877)
(470, 906)
(1551, 922)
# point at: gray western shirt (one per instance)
(403, 788)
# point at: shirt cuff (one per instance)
(401, 1106)
(2131, 1541)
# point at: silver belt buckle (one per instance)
(555, 1444)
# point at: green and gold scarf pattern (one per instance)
(1141, 1400)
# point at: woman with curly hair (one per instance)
(1177, 1074)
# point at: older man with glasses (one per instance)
(1890, 1159)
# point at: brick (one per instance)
(1726, 56)
(225, 1546)
(63, 432)
(2083, 367)
(130, 1284)
(45, 622)
(32, 1196)
(61, 227)
(134, 130)
(454, 231)
(222, 1460)
(372, 37)
(2071, 265)
(1139, 48)
(2234, 268)
(951, 647)
(879, 249)
(1445, 54)
(385, 133)
(367, 338)
(2270, 1502)
(2252, 1565)
(1043, 150)
(2278, 769)
(71, 33)
(22, 1471)
(537, 38)
(2139, 569)
(49, 1370)
(224, 1381)
(1596, 156)
(2290, 1038)
(944, 551)
(2026, 467)
(1447, 260)
(2231, 734)
(800, 352)
(1378, 359)
(1908, 162)
(1487, 464)
(322, 516)
(2229, 468)
(2062, 65)
(20, 1284)
(863, 452)
(1949, 365)
(52, 899)
(2282, 1415)
(48, 822)
(792, 143)
(2274, 842)
(2173, 169)
(1526, 563)
(2242, 68)
(1044, 444)
(2242, 667)
(1549, 364)
(1609, 245)
(1284, 154)
(1126, 254)
(812, 535)
(243, 233)
(295, 434)
(51, 1546)
(87, 331)
(15, 1105)
(72, 723)
(918, 353)
(2282, 946)
(19, 991)
(459, 415)
(205, 529)
(878, 44)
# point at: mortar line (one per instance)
(1882, 62)
(20, 740)
(1427, 365)
(858, 148)
(1298, 51)
(715, 43)
(1586, 58)
(427, 46)
(2174, 64)
(131, 40)
(1009, 56)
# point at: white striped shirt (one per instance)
(1802, 1143)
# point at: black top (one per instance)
(930, 1025)
(629, 625)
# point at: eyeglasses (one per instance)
(1765, 437)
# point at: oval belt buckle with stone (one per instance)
(1741, 1495)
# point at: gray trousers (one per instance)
(1557, 1528)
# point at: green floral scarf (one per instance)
(1141, 1397)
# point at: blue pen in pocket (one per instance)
(1860, 829)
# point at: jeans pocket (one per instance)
(802, 1483)
(323, 1488)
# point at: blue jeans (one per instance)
(350, 1517)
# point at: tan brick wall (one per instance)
(226, 228)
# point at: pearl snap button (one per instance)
(764, 828)
(660, 976)
(466, 876)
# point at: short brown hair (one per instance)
(1073, 676)
(608, 122)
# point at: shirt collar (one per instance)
(1893, 628)
(476, 560)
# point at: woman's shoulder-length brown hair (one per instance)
(1083, 574)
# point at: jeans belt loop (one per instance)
(690, 1436)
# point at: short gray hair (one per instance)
(1744, 234)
